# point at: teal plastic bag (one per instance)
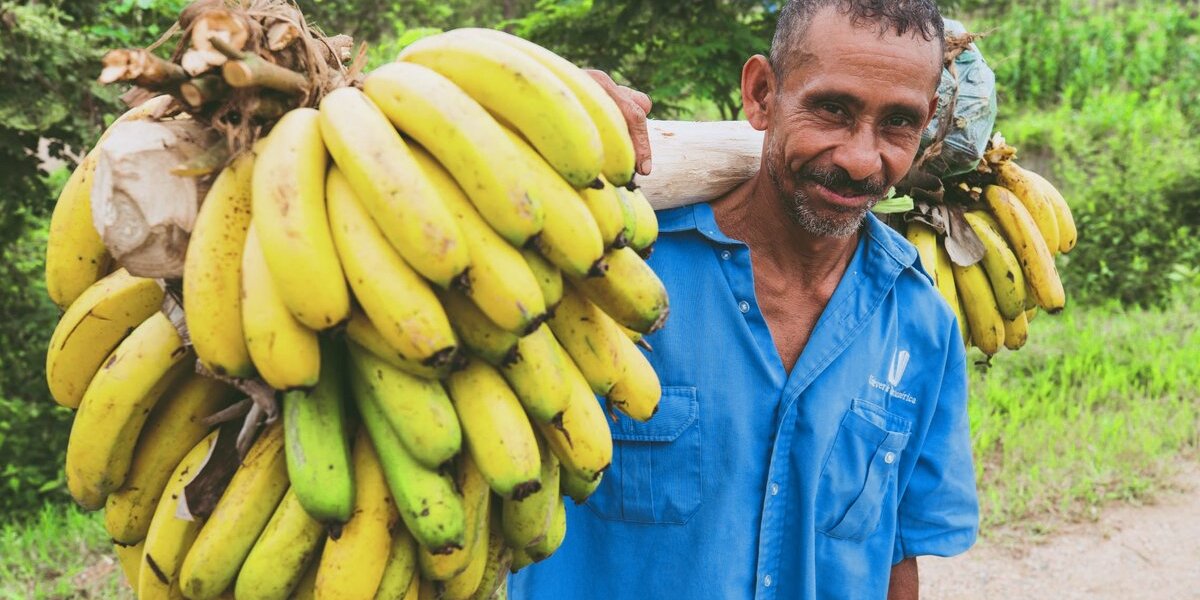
(972, 113)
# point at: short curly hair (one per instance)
(895, 16)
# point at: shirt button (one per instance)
(889, 458)
(774, 489)
(766, 581)
(744, 306)
(726, 255)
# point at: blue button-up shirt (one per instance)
(752, 482)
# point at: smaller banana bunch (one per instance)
(436, 272)
(1022, 222)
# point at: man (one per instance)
(812, 435)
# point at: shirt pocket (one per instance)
(655, 475)
(859, 471)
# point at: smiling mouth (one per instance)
(844, 199)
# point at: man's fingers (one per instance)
(634, 107)
(639, 98)
(640, 136)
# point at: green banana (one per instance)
(416, 409)
(317, 446)
(527, 521)
(428, 504)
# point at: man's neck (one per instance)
(752, 213)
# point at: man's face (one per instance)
(846, 122)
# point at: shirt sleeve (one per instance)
(938, 513)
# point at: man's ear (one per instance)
(758, 91)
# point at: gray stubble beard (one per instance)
(799, 208)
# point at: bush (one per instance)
(33, 429)
(1101, 98)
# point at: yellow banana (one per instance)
(926, 241)
(987, 325)
(212, 272)
(526, 521)
(390, 185)
(75, 255)
(170, 537)
(576, 488)
(520, 559)
(538, 376)
(245, 507)
(521, 91)
(426, 499)
(307, 588)
(1016, 332)
(630, 292)
(1017, 181)
(173, 427)
(91, 329)
(418, 410)
(582, 443)
(316, 443)
(549, 278)
(606, 115)
(130, 557)
(363, 332)
(945, 285)
(497, 432)
(285, 352)
(543, 548)
(278, 560)
(605, 206)
(466, 140)
(495, 570)
(115, 407)
(1001, 266)
(476, 497)
(397, 300)
(401, 571)
(1037, 262)
(570, 237)
(478, 333)
(464, 584)
(645, 229)
(592, 340)
(637, 392)
(499, 281)
(288, 200)
(1068, 235)
(353, 563)
(1030, 314)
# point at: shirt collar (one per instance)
(699, 218)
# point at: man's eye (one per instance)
(899, 121)
(834, 109)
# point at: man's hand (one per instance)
(634, 106)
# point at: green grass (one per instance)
(1098, 407)
(60, 552)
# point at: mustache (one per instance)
(838, 180)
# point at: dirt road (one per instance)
(1146, 552)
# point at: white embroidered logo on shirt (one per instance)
(896, 371)
(899, 365)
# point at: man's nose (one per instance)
(859, 155)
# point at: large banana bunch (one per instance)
(1022, 221)
(389, 261)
